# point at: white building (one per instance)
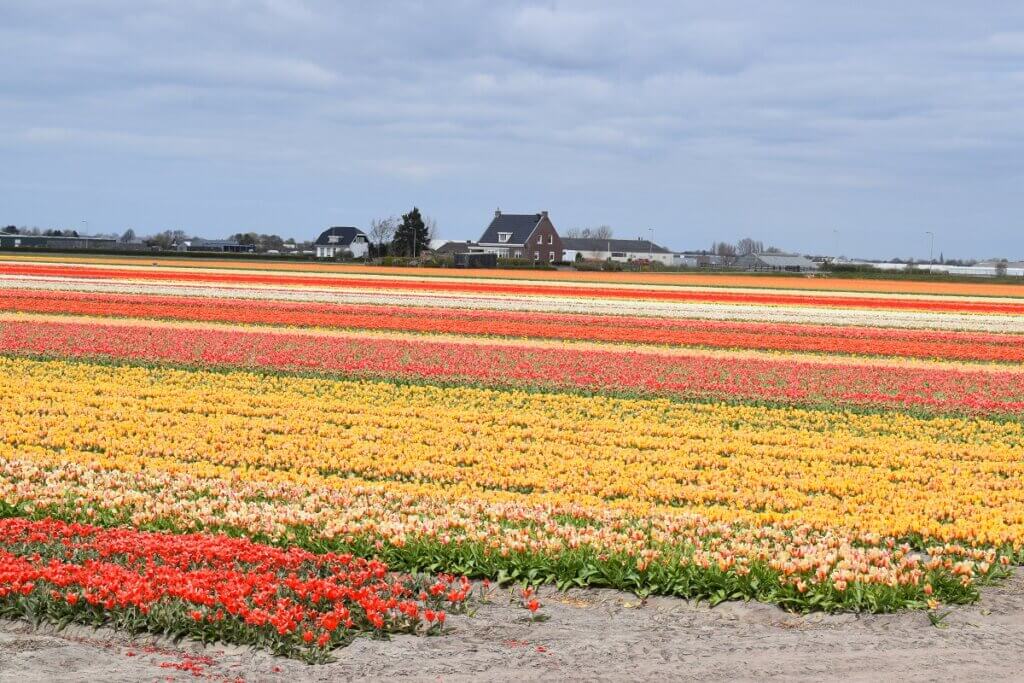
(595, 249)
(342, 241)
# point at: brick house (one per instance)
(530, 236)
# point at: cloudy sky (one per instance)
(803, 124)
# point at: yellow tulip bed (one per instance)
(648, 494)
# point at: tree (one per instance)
(1001, 267)
(167, 238)
(128, 236)
(11, 230)
(723, 249)
(411, 236)
(382, 232)
(749, 246)
(601, 232)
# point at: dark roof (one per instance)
(519, 224)
(595, 244)
(454, 247)
(344, 234)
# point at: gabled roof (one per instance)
(345, 235)
(520, 225)
(596, 244)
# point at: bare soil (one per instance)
(590, 635)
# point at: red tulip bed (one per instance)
(210, 587)
(953, 345)
(981, 391)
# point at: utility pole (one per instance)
(650, 244)
(931, 247)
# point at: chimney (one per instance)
(497, 212)
(544, 213)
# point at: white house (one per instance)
(342, 241)
(595, 249)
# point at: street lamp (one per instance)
(931, 246)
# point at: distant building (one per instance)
(697, 259)
(529, 236)
(342, 241)
(790, 263)
(453, 247)
(594, 249)
(12, 241)
(223, 246)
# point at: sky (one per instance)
(817, 127)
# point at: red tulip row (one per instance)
(729, 377)
(210, 586)
(491, 287)
(974, 346)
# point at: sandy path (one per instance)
(592, 634)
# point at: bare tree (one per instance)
(1001, 268)
(749, 246)
(431, 224)
(601, 232)
(382, 232)
(723, 248)
(128, 236)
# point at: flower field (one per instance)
(280, 456)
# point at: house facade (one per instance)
(595, 249)
(529, 236)
(342, 241)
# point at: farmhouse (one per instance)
(342, 241)
(529, 236)
(595, 249)
(793, 263)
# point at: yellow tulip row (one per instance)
(286, 451)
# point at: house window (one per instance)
(540, 239)
(504, 236)
(618, 254)
(333, 239)
(551, 239)
(518, 253)
(551, 256)
(536, 256)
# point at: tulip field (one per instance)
(291, 455)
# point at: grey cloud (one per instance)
(743, 117)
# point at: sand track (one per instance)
(591, 635)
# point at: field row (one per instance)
(952, 345)
(1007, 306)
(647, 310)
(733, 376)
(717, 280)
